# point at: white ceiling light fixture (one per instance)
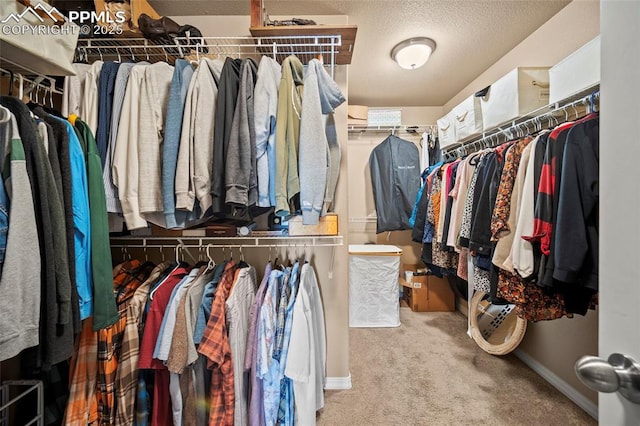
(413, 53)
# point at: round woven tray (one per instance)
(505, 330)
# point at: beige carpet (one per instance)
(428, 372)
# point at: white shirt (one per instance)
(521, 255)
(74, 91)
(124, 170)
(307, 354)
(89, 110)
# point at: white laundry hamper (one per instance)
(373, 285)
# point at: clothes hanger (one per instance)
(11, 76)
(212, 263)
(197, 61)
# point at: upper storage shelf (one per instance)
(347, 34)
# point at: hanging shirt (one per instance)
(106, 85)
(82, 223)
(265, 110)
(215, 346)
(105, 310)
(82, 405)
(319, 151)
(256, 413)
(286, 409)
(195, 152)
(204, 311)
(306, 365)
(127, 373)
(287, 184)
(160, 299)
(89, 109)
(21, 296)
(265, 368)
(180, 83)
(238, 306)
(128, 277)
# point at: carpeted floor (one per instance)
(428, 372)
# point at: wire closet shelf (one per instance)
(227, 242)
(326, 47)
(572, 107)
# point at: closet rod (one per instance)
(33, 82)
(217, 242)
(533, 121)
(415, 128)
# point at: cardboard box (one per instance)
(327, 225)
(428, 293)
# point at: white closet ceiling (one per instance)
(470, 35)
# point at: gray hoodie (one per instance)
(319, 157)
(20, 282)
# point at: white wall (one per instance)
(569, 29)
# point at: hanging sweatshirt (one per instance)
(288, 134)
(105, 312)
(20, 302)
(125, 168)
(225, 108)
(59, 145)
(120, 85)
(180, 83)
(154, 97)
(56, 328)
(241, 181)
(195, 154)
(319, 159)
(265, 105)
(81, 223)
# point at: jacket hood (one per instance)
(331, 96)
(292, 66)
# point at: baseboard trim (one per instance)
(338, 383)
(565, 388)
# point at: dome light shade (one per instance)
(413, 53)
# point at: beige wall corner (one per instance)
(334, 282)
(568, 30)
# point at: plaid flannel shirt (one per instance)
(127, 373)
(82, 405)
(129, 277)
(215, 346)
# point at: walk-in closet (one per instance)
(281, 212)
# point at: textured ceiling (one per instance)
(470, 35)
